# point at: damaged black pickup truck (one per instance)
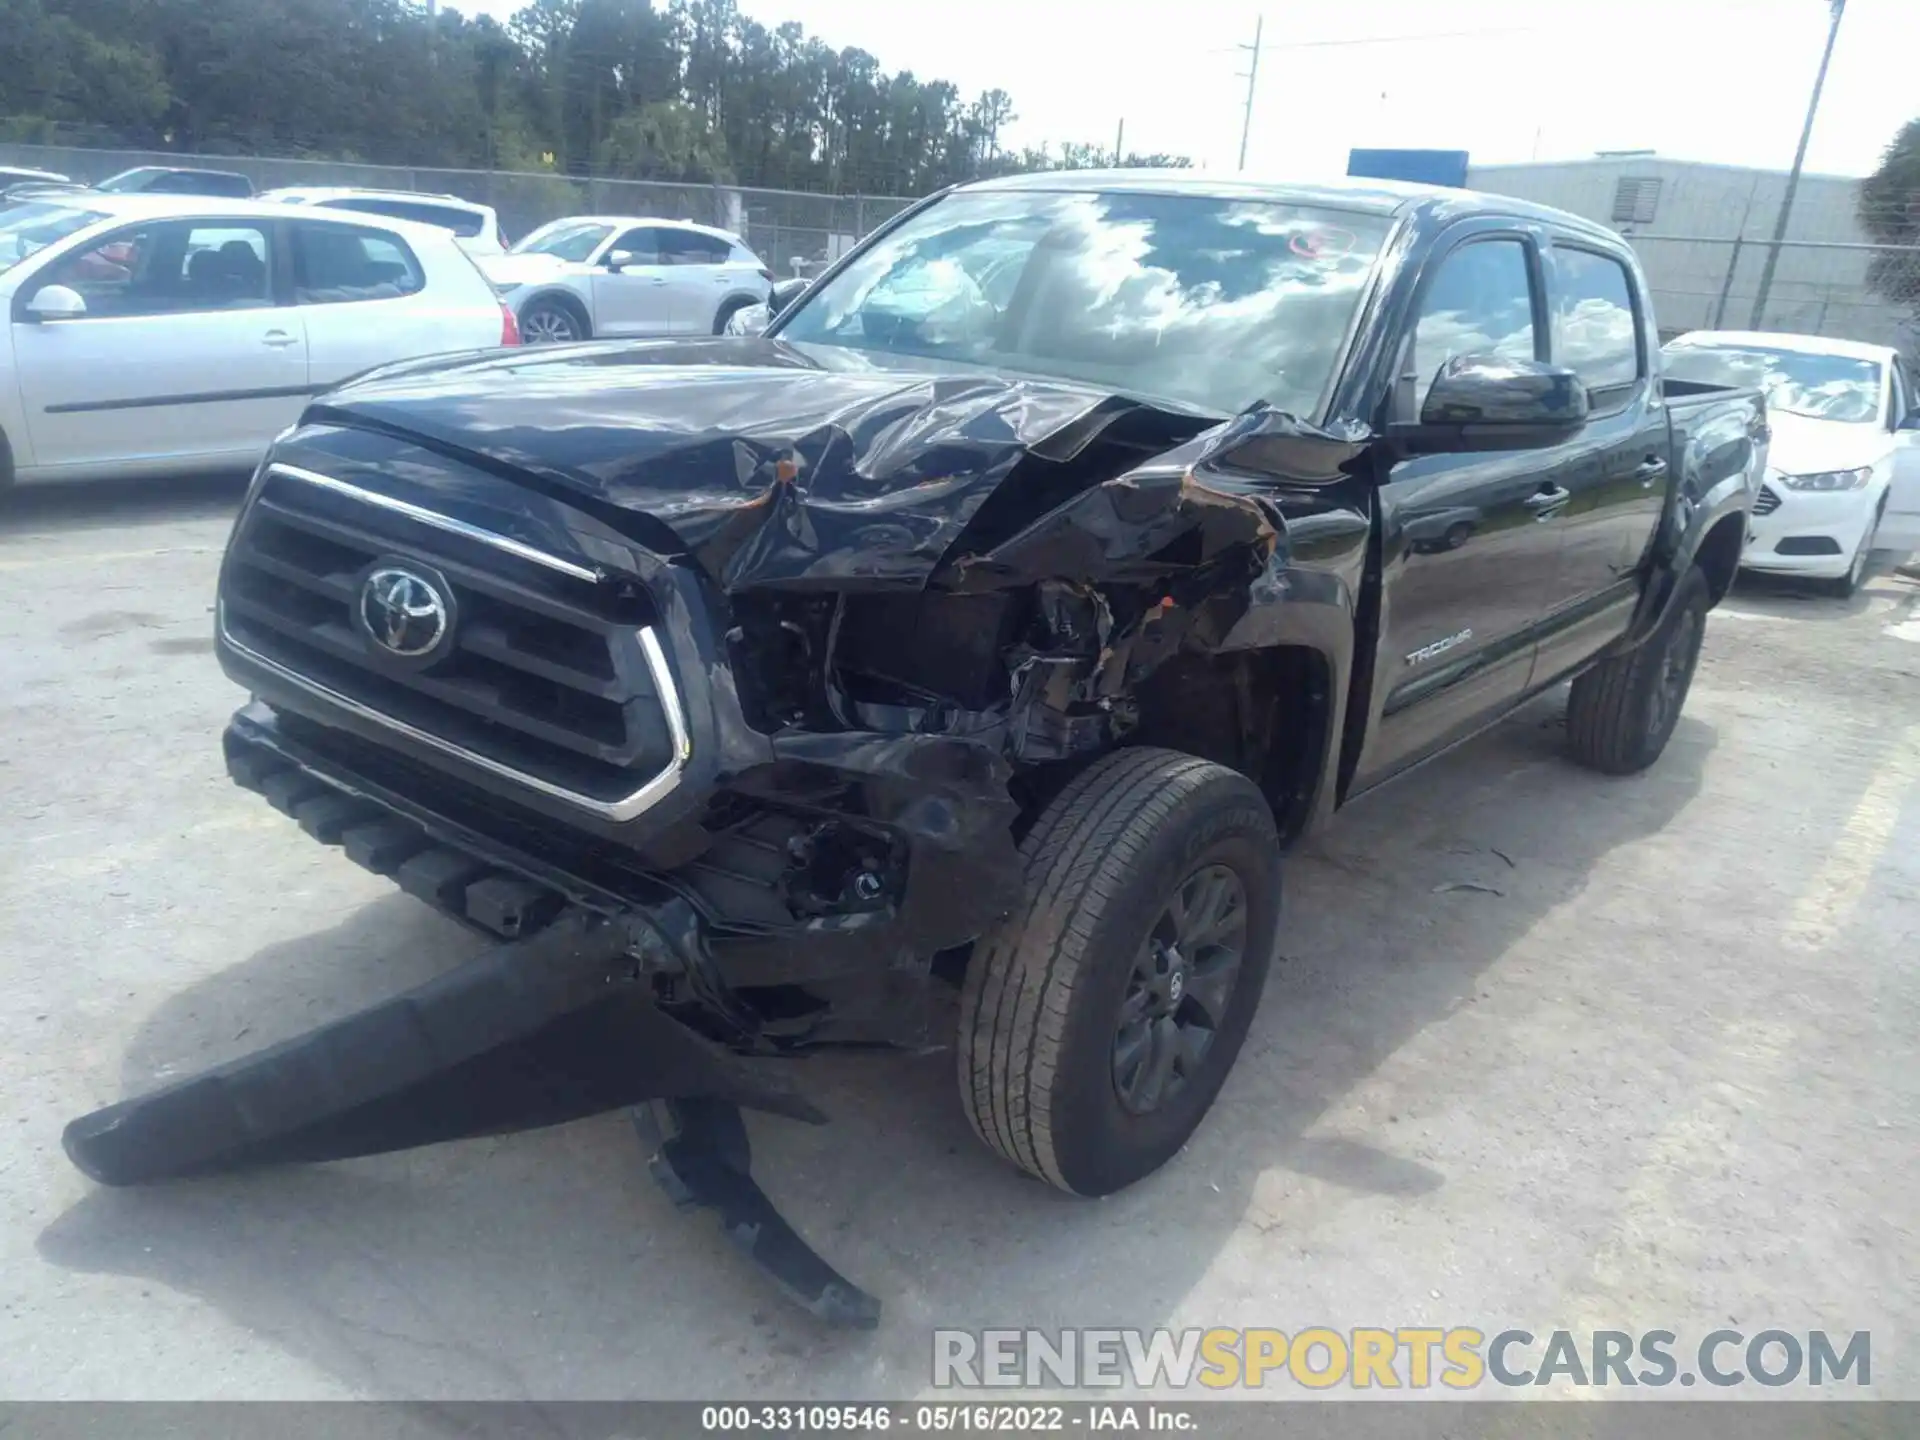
(993, 620)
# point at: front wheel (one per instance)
(1623, 711)
(1100, 1019)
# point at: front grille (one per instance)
(545, 675)
(1767, 501)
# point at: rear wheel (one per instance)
(1100, 1019)
(551, 322)
(1623, 711)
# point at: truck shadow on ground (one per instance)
(548, 1265)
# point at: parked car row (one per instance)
(19, 184)
(151, 332)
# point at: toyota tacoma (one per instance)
(994, 620)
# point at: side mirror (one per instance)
(1490, 402)
(56, 302)
(620, 259)
(785, 293)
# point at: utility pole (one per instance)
(1119, 142)
(1253, 70)
(1838, 9)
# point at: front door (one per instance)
(1467, 552)
(182, 352)
(1616, 470)
(634, 299)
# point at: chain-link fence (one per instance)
(1705, 282)
(793, 231)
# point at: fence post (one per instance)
(859, 217)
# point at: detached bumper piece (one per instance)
(701, 1158)
(538, 1032)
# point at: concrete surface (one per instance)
(1662, 1076)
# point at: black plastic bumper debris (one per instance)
(546, 1030)
(701, 1158)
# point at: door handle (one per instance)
(280, 339)
(1650, 470)
(1547, 499)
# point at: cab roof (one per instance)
(1367, 196)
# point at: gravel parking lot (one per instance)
(1656, 1066)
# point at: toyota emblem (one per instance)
(405, 613)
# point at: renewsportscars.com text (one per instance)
(1401, 1358)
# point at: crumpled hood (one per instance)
(1804, 446)
(772, 465)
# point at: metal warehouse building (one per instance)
(1703, 233)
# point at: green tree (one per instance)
(685, 90)
(1890, 213)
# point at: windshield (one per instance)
(573, 240)
(36, 225)
(1820, 387)
(1204, 301)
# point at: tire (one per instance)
(1623, 711)
(548, 321)
(1055, 1010)
(1457, 534)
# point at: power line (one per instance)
(1385, 39)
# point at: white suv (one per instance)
(476, 227)
(159, 334)
(614, 275)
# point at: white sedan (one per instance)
(611, 275)
(1843, 470)
(160, 334)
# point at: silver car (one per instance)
(614, 275)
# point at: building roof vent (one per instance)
(1635, 200)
